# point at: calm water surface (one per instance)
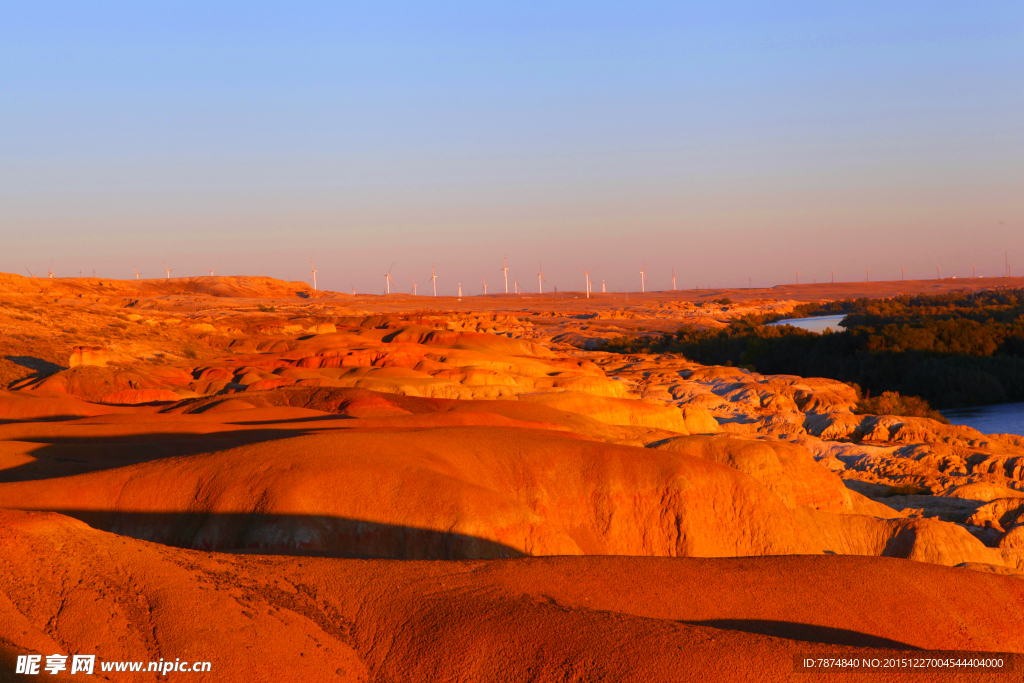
(816, 324)
(1003, 418)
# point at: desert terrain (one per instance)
(306, 485)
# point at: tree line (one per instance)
(953, 350)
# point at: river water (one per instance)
(816, 324)
(1002, 418)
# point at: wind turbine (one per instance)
(504, 267)
(902, 277)
(797, 277)
(212, 270)
(433, 278)
(387, 278)
(643, 278)
(414, 285)
(603, 291)
(516, 283)
(30, 273)
(169, 271)
(485, 284)
(586, 274)
(460, 291)
(833, 276)
(133, 268)
(938, 273)
(310, 267)
(972, 271)
(673, 280)
(867, 275)
(540, 278)
(49, 271)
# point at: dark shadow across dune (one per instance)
(316, 535)
(809, 633)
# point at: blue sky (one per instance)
(726, 140)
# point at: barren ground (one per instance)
(309, 485)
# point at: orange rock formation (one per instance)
(572, 515)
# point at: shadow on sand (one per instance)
(809, 633)
(307, 535)
(59, 456)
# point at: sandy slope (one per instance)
(549, 619)
(534, 511)
(485, 491)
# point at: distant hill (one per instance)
(234, 286)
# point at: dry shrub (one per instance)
(894, 403)
(907, 490)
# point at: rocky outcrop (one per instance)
(796, 438)
(617, 411)
(786, 470)
(493, 492)
(1000, 514)
(136, 396)
(699, 421)
(88, 355)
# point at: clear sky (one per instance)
(727, 140)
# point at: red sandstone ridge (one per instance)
(575, 619)
(483, 501)
(476, 492)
